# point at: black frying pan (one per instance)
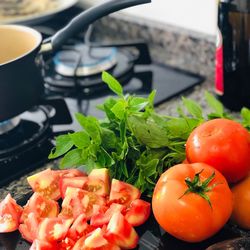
(21, 83)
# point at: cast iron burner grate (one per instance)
(27, 146)
(76, 69)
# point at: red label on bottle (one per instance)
(219, 77)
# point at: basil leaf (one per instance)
(193, 108)
(119, 109)
(91, 126)
(151, 97)
(72, 159)
(147, 132)
(80, 139)
(113, 84)
(137, 103)
(214, 104)
(109, 140)
(245, 113)
(63, 144)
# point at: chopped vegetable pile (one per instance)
(134, 142)
(92, 212)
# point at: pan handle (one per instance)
(84, 19)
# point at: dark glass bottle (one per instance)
(234, 25)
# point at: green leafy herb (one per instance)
(133, 141)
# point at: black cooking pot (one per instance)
(21, 83)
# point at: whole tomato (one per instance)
(241, 204)
(192, 201)
(223, 144)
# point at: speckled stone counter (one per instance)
(169, 45)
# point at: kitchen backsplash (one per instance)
(174, 46)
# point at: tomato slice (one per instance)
(138, 212)
(123, 193)
(29, 228)
(43, 245)
(101, 219)
(96, 186)
(103, 175)
(120, 232)
(66, 244)
(10, 213)
(73, 172)
(95, 241)
(79, 227)
(77, 182)
(46, 183)
(78, 201)
(41, 207)
(53, 229)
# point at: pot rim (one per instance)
(30, 31)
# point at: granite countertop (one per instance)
(167, 45)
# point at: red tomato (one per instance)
(40, 206)
(29, 228)
(77, 182)
(241, 204)
(123, 193)
(46, 183)
(120, 232)
(10, 214)
(138, 212)
(223, 144)
(179, 205)
(53, 229)
(101, 219)
(43, 245)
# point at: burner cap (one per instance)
(88, 61)
(6, 126)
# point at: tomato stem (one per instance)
(199, 187)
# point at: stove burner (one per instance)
(25, 144)
(83, 60)
(8, 125)
(88, 85)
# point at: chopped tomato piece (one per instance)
(123, 193)
(66, 244)
(96, 186)
(72, 172)
(10, 213)
(53, 229)
(104, 218)
(46, 183)
(43, 245)
(78, 201)
(41, 207)
(103, 175)
(29, 228)
(77, 182)
(138, 212)
(120, 232)
(79, 227)
(94, 241)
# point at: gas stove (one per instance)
(72, 80)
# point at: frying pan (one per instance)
(21, 83)
(40, 17)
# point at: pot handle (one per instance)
(84, 19)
